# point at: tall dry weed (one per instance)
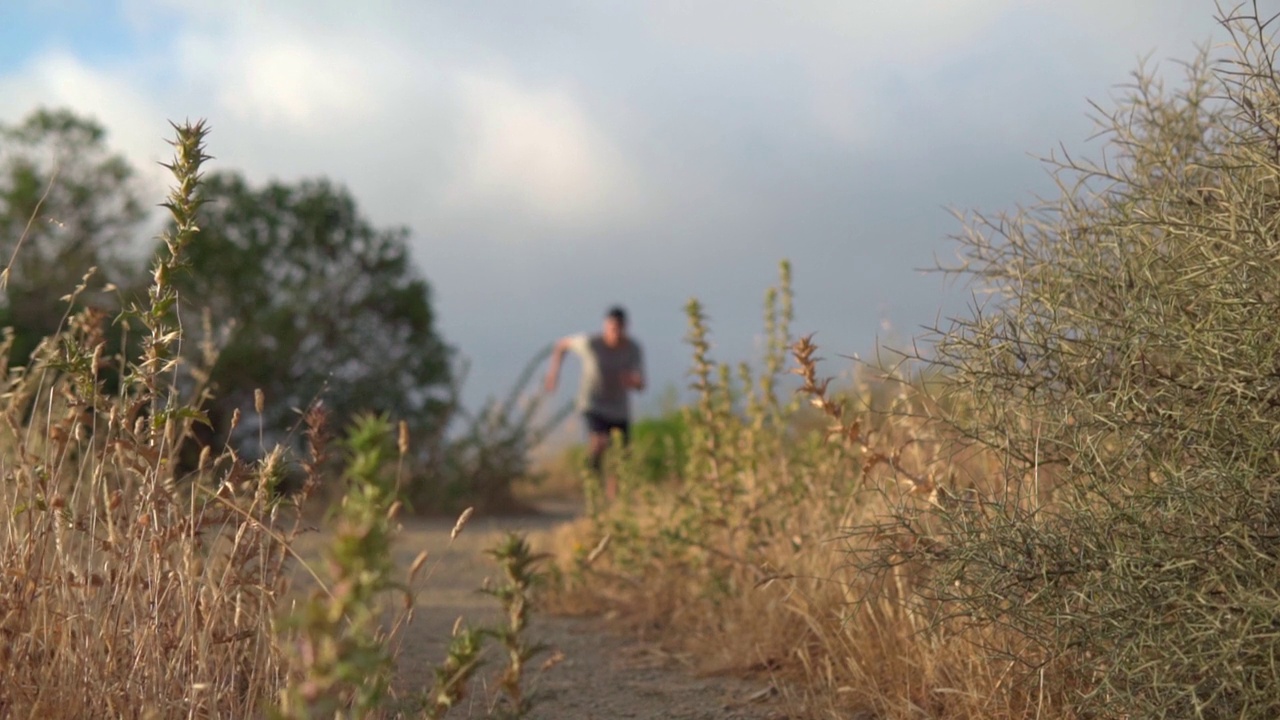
(126, 590)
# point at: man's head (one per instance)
(615, 325)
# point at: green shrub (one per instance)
(660, 447)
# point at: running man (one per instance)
(612, 366)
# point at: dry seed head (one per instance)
(404, 438)
(259, 400)
(205, 453)
(235, 418)
(457, 625)
(418, 562)
(462, 522)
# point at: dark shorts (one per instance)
(597, 425)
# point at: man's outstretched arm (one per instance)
(557, 357)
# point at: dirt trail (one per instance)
(602, 675)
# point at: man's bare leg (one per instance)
(598, 445)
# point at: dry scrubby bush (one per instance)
(1077, 514)
(1128, 376)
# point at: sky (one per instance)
(558, 157)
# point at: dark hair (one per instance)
(617, 313)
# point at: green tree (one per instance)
(308, 299)
(72, 205)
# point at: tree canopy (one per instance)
(72, 205)
(307, 299)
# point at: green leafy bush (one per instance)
(659, 447)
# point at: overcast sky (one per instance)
(555, 157)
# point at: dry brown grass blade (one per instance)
(461, 523)
(53, 179)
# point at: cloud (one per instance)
(59, 79)
(293, 83)
(296, 89)
(848, 55)
(893, 33)
(536, 153)
(553, 158)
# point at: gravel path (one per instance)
(600, 675)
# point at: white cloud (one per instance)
(57, 79)
(295, 83)
(536, 152)
(841, 50)
(473, 140)
(668, 144)
(857, 60)
(888, 32)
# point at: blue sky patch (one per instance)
(92, 31)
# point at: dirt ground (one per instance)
(600, 675)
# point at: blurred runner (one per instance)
(612, 367)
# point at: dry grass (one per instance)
(1073, 516)
(132, 588)
(747, 567)
(1082, 525)
(127, 591)
(755, 567)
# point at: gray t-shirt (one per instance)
(603, 391)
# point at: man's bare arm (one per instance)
(557, 357)
(635, 379)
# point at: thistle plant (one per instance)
(159, 316)
(518, 564)
(343, 664)
(454, 676)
